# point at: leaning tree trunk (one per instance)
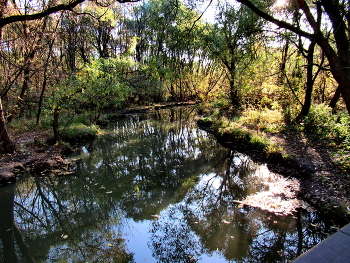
(7, 144)
(335, 99)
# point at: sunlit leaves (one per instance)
(97, 85)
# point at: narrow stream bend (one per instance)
(156, 188)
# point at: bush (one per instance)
(80, 132)
(322, 124)
(319, 122)
(266, 119)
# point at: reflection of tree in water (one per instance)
(150, 163)
(11, 236)
(139, 170)
(174, 242)
(60, 223)
(210, 217)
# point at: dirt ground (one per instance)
(323, 185)
(32, 153)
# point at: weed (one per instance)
(78, 132)
(262, 120)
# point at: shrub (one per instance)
(80, 132)
(266, 119)
(318, 123)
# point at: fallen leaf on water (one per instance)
(225, 222)
(109, 245)
(240, 206)
(109, 192)
(64, 236)
(155, 216)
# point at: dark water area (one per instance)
(154, 188)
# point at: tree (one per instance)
(7, 144)
(232, 41)
(338, 56)
(308, 53)
(168, 43)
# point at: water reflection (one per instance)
(157, 179)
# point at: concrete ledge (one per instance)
(335, 248)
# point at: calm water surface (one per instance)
(155, 188)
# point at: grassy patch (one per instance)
(248, 130)
(80, 132)
(263, 120)
(23, 125)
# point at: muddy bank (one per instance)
(39, 159)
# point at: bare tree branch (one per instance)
(275, 21)
(51, 10)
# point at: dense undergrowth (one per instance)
(252, 128)
(73, 128)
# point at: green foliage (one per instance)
(146, 86)
(98, 85)
(265, 119)
(320, 122)
(334, 129)
(80, 132)
(102, 82)
(22, 125)
(245, 136)
(221, 103)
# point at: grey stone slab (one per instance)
(346, 229)
(335, 249)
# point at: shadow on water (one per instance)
(154, 188)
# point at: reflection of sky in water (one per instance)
(139, 238)
(141, 169)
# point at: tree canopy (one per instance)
(60, 59)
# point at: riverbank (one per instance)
(323, 184)
(33, 154)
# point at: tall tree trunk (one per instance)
(309, 82)
(282, 71)
(26, 80)
(7, 144)
(234, 94)
(335, 99)
(56, 131)
(41, 99)
(43, 87)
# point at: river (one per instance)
(156, 188)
